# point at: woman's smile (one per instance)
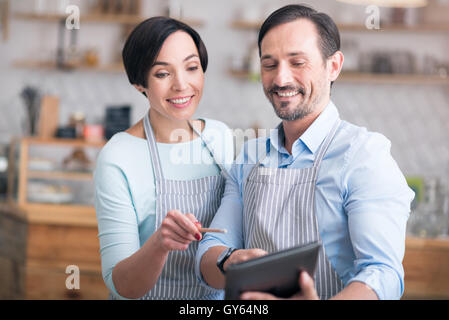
(180, 102)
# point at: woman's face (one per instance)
(176, 79)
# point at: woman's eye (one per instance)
(298, 64)
(192, 68)
(161, 75)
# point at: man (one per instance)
(315, 178)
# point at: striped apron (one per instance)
(201, 197)
(279, 213)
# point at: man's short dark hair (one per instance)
(145, 41)
(329, 42)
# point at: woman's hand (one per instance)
(177, 231)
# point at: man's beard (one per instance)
(283, 111)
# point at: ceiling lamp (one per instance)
(390, 3)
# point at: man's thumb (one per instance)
(307, 286)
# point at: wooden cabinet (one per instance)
(62, 231)
(426, 267)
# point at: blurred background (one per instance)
(64, 93)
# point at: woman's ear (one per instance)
(141, 89)
(335, 63)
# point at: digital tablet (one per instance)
(276, 273)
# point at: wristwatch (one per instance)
(223, 257)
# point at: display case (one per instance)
(55, 179)
(51, 181)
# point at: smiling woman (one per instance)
(149, 219)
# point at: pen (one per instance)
(213, 230)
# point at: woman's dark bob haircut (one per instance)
(327, 30)
(145, 41)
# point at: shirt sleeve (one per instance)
(377, 203)
(229, 216)
(117, 222)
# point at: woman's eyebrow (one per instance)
(190, 57)
(162, 63)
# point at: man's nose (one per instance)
(179, 82)
(284, 75)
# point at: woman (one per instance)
(159, 181)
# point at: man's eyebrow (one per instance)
(291, 54)
(297, 53)
(162, 63)
(266, 56)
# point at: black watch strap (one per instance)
(223, 257)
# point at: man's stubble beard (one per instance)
(300, 111)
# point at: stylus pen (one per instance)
(213, 230)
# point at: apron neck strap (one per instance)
(222, 169)
(154, 154)
(321, 151)
(325, 145)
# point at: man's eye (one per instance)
(298, 64)
(193, 68)
(269, 66)
(161, 75)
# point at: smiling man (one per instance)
(316, 177)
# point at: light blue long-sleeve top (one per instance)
(125, 190)
(362, 201)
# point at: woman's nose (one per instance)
(179, 82)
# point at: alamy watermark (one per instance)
(73, 20)
(373, 19)
(72, 282)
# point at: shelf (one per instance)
(60, 175)
(395, 28)
(64, 142)
(59, 214)
(255, 25)
(50, 65)
(427, 243)
(378, 78)
(98, 18)
(373, 78)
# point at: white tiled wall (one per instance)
(414, 117)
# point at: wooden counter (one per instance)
(13, 233)
(34, 255)
(426, 267)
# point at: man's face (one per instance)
(294, 75)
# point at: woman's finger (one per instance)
(171, 244)
(185, 223)
(171, 228)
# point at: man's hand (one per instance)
(307, 292)
(242, 255)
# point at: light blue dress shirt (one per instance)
(362, 201)
(125, 189)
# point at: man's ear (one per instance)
(335, 63)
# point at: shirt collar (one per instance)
(312, 137)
